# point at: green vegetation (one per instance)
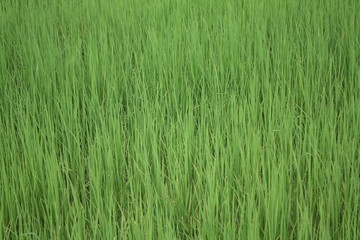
(206, 119)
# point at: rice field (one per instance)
(182, 119)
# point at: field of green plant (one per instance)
(183, 119)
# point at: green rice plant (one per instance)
(180, 119)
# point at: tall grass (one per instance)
(180, 119)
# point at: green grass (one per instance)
(206, 119)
